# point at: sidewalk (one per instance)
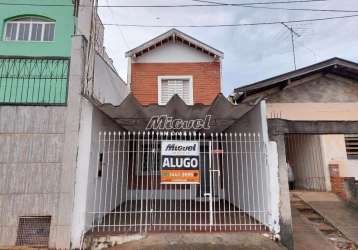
(305, 235)
(335, 211)
(201, 241)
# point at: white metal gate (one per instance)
(232, 194)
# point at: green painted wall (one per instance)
(36, 81)
(63, 15)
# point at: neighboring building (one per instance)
(326, 91)
(313, 113)
(44, 118)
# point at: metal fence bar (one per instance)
(230, 196)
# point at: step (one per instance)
(303, 207)
(326, 228)
(314, 216)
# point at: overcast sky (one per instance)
(251, 53)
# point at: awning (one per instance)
(176, 115)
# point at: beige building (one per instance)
(312, 115)
(326, 92)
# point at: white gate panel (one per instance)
(232, 194)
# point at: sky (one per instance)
(251, 53)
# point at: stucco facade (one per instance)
(324, 98)
(64, 28)
(35, 178)
(40, 143)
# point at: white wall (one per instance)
(92, 121)
(334, 152)
(108, 85)
(174, 53)
(254, 179)
(352, 168)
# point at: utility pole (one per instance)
(293, 33)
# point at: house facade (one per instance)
(45, 106)
(184, 158)
(326, 91)
(35, 50)
(171, 58)
(312, 114)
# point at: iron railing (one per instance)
(34, 80)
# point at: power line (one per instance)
(229, 25)
(300, 9)
(119, 28)
(211, 4)
(165, 6)
(276, 8)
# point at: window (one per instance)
(352, 146)
(29, 29)
(171, 85)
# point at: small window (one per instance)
(352, 146)
(29, 29)
(180, 85)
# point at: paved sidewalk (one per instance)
(335, 211)
(202, 241)
(306, 236)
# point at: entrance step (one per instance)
(303, 208)
(314, 217)
(326, 228)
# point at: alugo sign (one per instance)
(180, 162)
(164, 122)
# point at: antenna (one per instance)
(293, 33)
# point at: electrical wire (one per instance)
(230, 25)
(277, 8)
(165, 6)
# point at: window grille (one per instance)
(30, 29)
(352, 146)
(33, 81)
(33, 231)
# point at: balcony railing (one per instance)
(34, 80)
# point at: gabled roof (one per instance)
(133, 116)
(334, 65)
(177, 36)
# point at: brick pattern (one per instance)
(341, 187)
(337, 184)
(206, 80)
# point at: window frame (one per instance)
(350, 155)
(176, 77)
(33, 20)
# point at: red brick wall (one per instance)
(337, 185)
(206, 80)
